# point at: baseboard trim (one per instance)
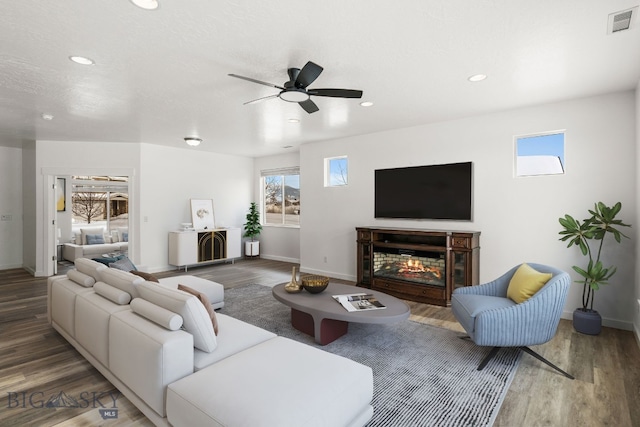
(636, 329)
(328, 273)
(280, 258)
(11, 267)
(606, 321)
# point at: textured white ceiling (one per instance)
(162, 75)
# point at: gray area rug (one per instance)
(423, 375)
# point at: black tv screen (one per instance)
(424, 192)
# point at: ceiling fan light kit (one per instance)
(295, 89)
(293, 95)
(192, 141)
(146, 4)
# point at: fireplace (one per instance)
(425, 268)
(417, 265)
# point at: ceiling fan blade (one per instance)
(309, 106)
(260, 99)
(308, 74)
(337, 93)
(256, 81)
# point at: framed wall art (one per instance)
(202, 214)
(61, 203)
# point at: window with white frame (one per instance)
(336, 171)
(540, 154)
(281, 196)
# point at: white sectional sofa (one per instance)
(116, 241)
(156, 344)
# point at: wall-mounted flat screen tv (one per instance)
(425, 192)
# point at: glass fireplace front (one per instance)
(427, 268)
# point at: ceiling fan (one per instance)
(295, 90)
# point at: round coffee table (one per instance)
(322, 317)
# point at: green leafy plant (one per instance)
(252, 227)
(592, 232)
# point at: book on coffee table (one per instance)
(359, 302)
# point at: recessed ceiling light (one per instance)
(47, 116)
(366, 103)
(294, 120)
(193, 141)
(146, 4)
(82, 60)
(477, 77)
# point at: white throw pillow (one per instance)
(90, 267)
(196, 319)
(115, 295)
(158, 315)
(81, 278)
(122, 280)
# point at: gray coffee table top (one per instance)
(323, 306)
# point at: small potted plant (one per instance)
(252, 229)
(589, 235)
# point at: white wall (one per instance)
(518, 217)
(11, 206)
(278, 243)
(60, 158)
(637, 219)
(29, 207)
(170, 177)
(163, 179)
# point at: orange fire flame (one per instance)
(416, 266)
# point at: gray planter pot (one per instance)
(587, 321)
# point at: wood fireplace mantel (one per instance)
(452, 255)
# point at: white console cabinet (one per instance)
(195, 247)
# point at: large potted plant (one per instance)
(252, 229)
(589, 235)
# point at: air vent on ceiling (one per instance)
(622, 20)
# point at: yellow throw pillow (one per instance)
(525, 282)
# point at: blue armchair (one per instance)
(492, 319)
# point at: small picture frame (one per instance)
(61, 203)
(202, 214)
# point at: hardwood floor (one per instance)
(36, 363)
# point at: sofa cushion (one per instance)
(158, 315)
(122, 280)
(63, 301)
(205, 302)
(81, 278)
(467, 306)
(111, 293)
(235, 336)
(196, 320)
(89, 267)
(302, 386)
(525, 282)
(92, 313)
(160, 357)
(90, 231)
(95, 239)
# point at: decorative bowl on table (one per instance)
(315, 284)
